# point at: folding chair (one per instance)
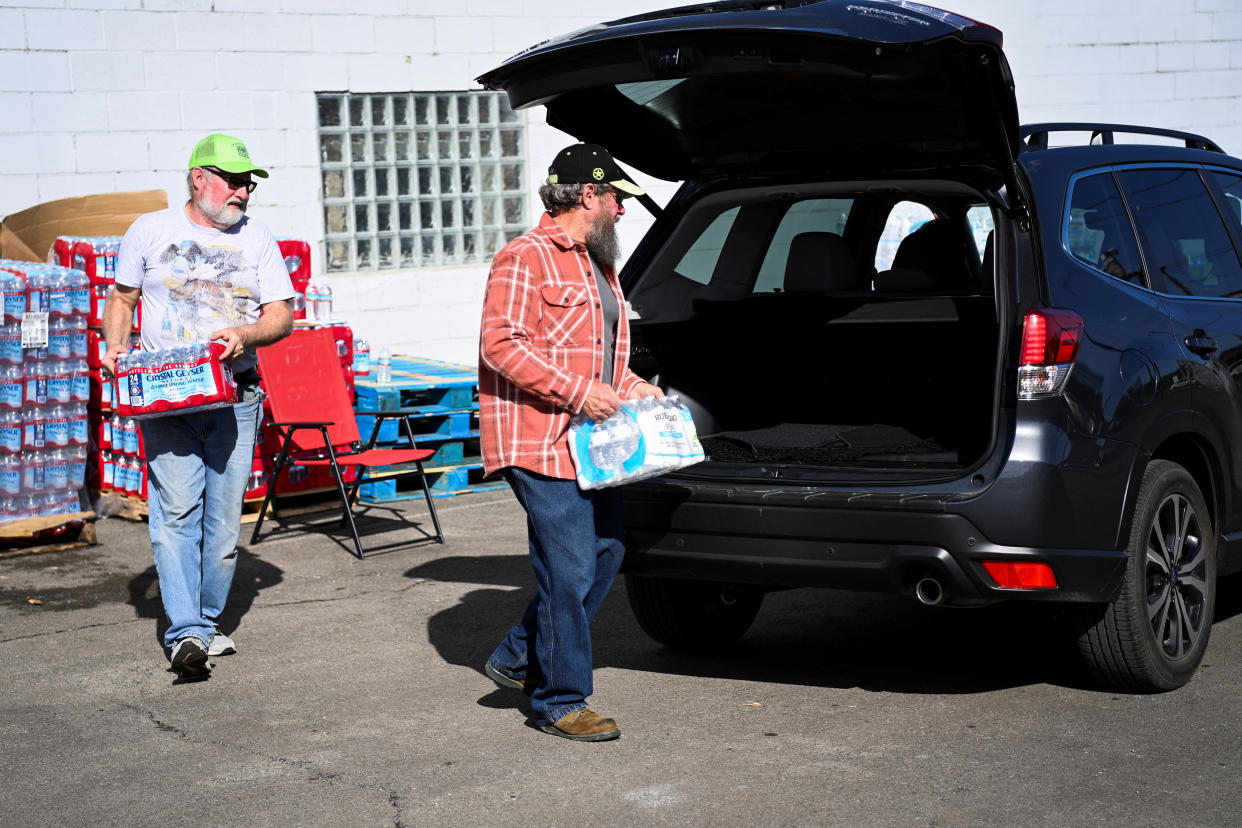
(311, 406)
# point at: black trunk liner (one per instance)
(813, 444)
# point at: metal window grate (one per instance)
(420, 178)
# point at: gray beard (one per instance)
(222, 215)
(602, 242)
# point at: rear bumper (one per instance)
(702, 533)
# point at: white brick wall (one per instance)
(104, 95)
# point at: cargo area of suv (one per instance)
(928, 352)
(860, 320)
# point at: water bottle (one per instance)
(10, 475)
(614, 441)
(11, 352)
(33, 428)
(107, 471)
(120, 474)
(27, 507)
(78, 342)
(77, 456)
(323, 303)
(38, 298)
(33, 478)
(79, 424)
(59, 382)
(312, 300)
(14, 288)
(362, 358)
(117, 435)
(36, 382)
(79, 285)
(383, 370)
(46, 504)
(10, 431)
(130, 430)
(56, 426)
(12, 387)
(56, 474)
(79, 381)
(59, 299)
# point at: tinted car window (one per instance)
(1185, 245)
(905, 218)
(1230, 199)
(815, 215)
(1099, 231)
(699, 262)
(981, 225)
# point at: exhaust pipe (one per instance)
(929, 591)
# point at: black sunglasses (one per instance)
(235, 182)
(604, 189)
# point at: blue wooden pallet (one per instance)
(427, 426)
(443, 482)
(445, 394)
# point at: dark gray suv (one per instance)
(928, 351)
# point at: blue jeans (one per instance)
(576, 547)
(198, 465)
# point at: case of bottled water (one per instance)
(44, 392)
(173, 381)
(645, 438)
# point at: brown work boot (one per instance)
(583, 725)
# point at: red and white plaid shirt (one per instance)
(541, 347)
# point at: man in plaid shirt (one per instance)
(555, 343)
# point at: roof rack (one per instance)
(1035, 136)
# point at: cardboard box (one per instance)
(28, 235)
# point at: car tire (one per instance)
(697, 615)
(1152, 637)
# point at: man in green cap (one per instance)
(206, 272)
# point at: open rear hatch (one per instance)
(778, 86)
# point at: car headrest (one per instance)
(819, 263)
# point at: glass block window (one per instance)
(420, 178)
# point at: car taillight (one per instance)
(1021, 574)
(1050, 340)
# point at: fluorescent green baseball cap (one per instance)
(225, 152)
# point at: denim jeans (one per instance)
(576, 547)
(198, 465)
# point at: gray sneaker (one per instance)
(221, 645)
(189, 658)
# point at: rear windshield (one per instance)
(857, 244)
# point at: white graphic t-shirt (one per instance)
(196, 280)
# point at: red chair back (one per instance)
(304, 382)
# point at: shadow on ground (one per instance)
(813, 637)
(252, 576)
(371, 520)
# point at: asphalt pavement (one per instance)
(356, 698)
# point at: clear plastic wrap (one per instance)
(645, 438)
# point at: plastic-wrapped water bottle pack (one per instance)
(645, 438)
(173, 381)
(45, 390)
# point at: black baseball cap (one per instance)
(590, 164)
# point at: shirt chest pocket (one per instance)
(566, 315)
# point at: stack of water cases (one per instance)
(117, 464)
(44, 393)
